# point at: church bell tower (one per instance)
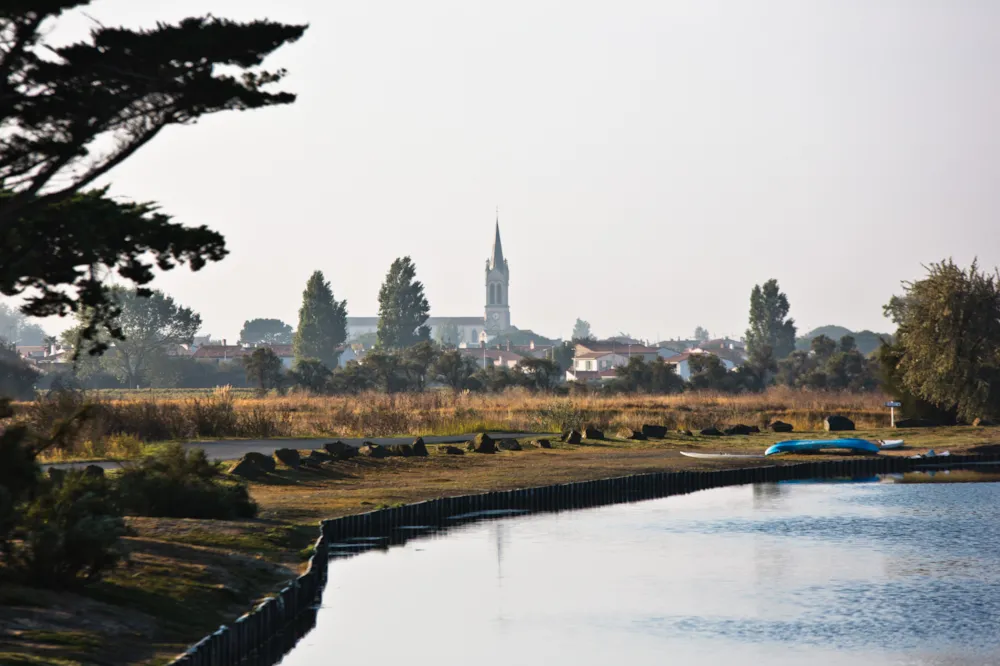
(497, 281)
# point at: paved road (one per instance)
(230, 449)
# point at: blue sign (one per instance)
(893, 403)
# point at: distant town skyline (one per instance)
(651, 163)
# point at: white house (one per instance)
(597, 360)
(484, 356)
(680, 361)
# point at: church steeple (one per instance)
(497, 282)
(496, 260)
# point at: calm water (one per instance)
(796, 573)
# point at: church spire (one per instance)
(496, 260)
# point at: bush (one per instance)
(182, 484)
(70, 533)
(17, 377)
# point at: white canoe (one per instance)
(890, 444)
(695, 454)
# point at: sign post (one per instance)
(892, 405)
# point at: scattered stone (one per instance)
(738, 429)
(509, 445)
(93, 470)
(592, 433)
(686, 432)
(339, 450)
(265, 463)
(781, 426)
(247, 469)
(711, 432)
(317, 457)
(978, 422)
(483, 443)
(543, 443)
(916, 423)
(572, 437)
(373, 450)
(57, 475)
(289, 457)
(835, 423)
(418, 448)
(654, 431)
(452, 450)
(636, 435)
(404, 450)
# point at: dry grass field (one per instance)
(186, 577)
(120, 423)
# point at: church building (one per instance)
(468, 331)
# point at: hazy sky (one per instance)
(652, 160)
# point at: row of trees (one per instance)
(407, 369)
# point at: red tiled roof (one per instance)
(640, 351)
(617, 347)
(221, 351)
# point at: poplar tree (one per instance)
(402, 308)
(772, 333)
(322, 323)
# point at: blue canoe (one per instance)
(800, 445)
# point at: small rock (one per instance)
(572, 437)
(339, 450)
(372, 450)
(265, 463)
(836, 423)
(289, 457)
(319, 456)
(592, 433)
(781, 426)
(543, 443)
(636, 435)
(509, 445)
(687, 432)
(738, 429)
(452, 450)
(93, 470)
(247, 469)
(654, 431)
(483, 443)
(418, 447)
(404, 450)
(57, 475)
(712, 432)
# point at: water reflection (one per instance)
(832, 574)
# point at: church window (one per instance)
(499, 296)
(493, 296)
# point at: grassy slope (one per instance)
(189, 576)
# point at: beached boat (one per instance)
(890, 443)
(697, 454)
(807, 445)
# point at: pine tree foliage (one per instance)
(71, 113)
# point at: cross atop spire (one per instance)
(496, 259)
